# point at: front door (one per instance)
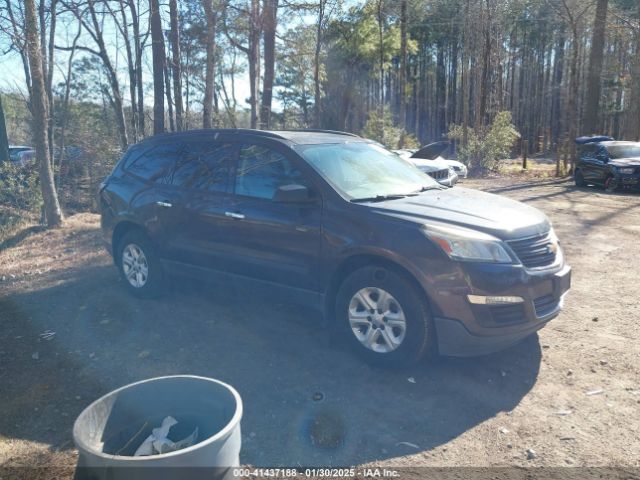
(268, 240)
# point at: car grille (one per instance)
(545, 305)
(535, 252)
(439, 174)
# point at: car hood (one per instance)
(451, 162)
(499, 216)
(625, 162)
(429, 165)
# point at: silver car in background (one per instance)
(429, 160)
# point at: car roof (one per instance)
(619, 143)
(300, 137)
(20, 146)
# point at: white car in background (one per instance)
(428, 159)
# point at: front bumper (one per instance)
(465, 329)
(462, 173)
(631, 181)
(450, 181)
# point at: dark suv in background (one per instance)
(608, 163)
(399, 264)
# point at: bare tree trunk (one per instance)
(402, 91)
(211, 15)
(595, 69)
(466, 71)
(167, 91)
(157, 46)
(556, 94)
(4, 141)
(65, 101)
(380, 19)
(227, 103)
(252, 50)
(176, 63)
(47, 62)
(270, 19)
(95, 31)
(122, 24)
(138, 106)
(633, 128)
(440, 93)
(53, 213)
(317, 106)
(572, 103)
(254, 60)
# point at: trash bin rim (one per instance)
(225, 431)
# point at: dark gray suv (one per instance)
(397, 263)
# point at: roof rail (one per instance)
(593, 139)
(264, 133)
(319, 130)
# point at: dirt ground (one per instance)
(488, 411)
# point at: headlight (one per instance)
(468, 245)
(626, 171)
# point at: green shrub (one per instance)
(485, 148)
(382, 129)
(20, 198)
(19, 187)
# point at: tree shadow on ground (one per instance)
(306, 401)
(19, 236)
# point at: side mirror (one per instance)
(603, 157)
(292, 194)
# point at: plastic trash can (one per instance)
(104, 431)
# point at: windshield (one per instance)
(362, 170)
(624, 151)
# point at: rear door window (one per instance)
(154, 163)
(203, 166)
(588, 152)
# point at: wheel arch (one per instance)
(119, 232)
(359, 260)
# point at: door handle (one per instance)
(164, 204)
(237, 216)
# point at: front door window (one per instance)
(261, 171)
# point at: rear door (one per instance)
(158, 205)
(202, 174)
(268, 240)
(590, 164)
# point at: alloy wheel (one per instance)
(377, 319)
(135, 266)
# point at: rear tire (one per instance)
(579, 179)
(384, 317)
(139, 265)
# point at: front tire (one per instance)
(139, 265)
(611, 184)
(579, 179)
(384, 317)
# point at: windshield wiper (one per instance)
(430, 187)
(381, 198)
